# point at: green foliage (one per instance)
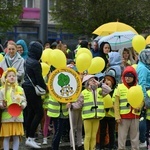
(63, 80)
(10, 11)
(84, 16)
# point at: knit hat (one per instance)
(129, 74)
(87, 77)
(110, 79)
(110, 74)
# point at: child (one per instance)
(11, 126)
(92, 106)
(108, 121)
(59, 113)
(126, 116)
(46, 118)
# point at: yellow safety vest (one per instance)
(124, 109)
(87, 111)
(5, 114)
(54, 108)
(148, 114)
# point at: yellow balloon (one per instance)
(46, 56)
(84, 50)
(83, 62)
(138, 43)
(97, 65)
(58, 58)
(45, 69)
(148, 40)
(1, 57)
(134, 66)
(135, 96)
(108, 103)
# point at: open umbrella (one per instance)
(111, 27)
(118, 40)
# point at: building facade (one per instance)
(29, 26)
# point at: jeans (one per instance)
(142, 131)
(58, 127)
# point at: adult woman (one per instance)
(127, 58)
(35, 110)
(13, 59)
(22, 48)
(105, 48)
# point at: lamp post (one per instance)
(43, 20)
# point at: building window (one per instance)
(54, 4)
(29, 3)
(51, 4)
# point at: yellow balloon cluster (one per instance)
(84, 61)
(54, 57)
(135, 96)
(138, 43)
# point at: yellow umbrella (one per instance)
(112, 27)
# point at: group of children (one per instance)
(88, 111)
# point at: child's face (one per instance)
(11, 77)
(92, 82)
(108, 82)
(129, 79)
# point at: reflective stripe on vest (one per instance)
(124, 109)
(87, 111)
(54, 108)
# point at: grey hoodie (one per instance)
(115, 63)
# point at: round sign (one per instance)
(64, 85)
(14, 109)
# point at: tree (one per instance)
(84, 16)
(10, 11)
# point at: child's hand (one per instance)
(118, 121)
(68, 105)
(105, 89)
(136, 110)
(23, 105)
(4, 103)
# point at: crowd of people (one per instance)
(95, 126)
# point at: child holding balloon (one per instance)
(12, 102)
(108, 122)
(127, 113)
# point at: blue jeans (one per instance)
(58, 127)
(142, 131)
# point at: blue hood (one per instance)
(114, 58)
(25, 48)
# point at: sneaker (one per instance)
(38, 143)
(30, 142)
(143, 145)
(44, 141)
